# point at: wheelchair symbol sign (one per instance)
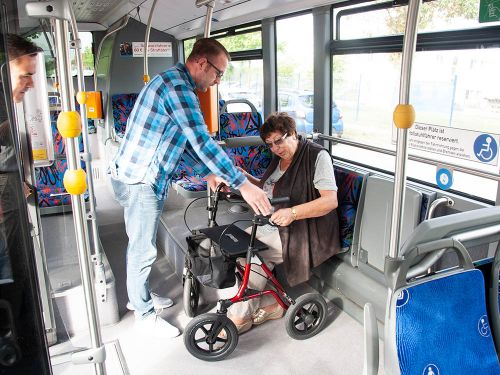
(403, 298)
(431, 369)
(444, 178)
(483, 327)
(485, 148)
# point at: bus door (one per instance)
(23, 348)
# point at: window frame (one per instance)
(462, 39)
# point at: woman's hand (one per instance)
(283, 217)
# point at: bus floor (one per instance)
(265, 349)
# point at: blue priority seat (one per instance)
(438, 324)
(494, 298)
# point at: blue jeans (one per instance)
(142, 210)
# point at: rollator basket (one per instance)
(218, 270)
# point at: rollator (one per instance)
(213, 336)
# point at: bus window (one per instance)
(365, 88)
(244, 76)
(87, 54)
(355, 23)
(295, 69)
(188, 46)
(453, 90)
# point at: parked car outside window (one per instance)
(300, 106)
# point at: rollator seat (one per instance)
(234, 242)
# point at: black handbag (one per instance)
(216, 271)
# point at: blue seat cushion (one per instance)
(442, 327)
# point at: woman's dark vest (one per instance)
(306, 243)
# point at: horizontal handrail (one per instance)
(455, 167)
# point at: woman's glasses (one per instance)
(278, 142)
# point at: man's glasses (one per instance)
(219, 73)
(278, 142)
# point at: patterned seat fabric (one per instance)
(49, 183)
(186, 178)
(49, 180)
(59, 146)
(349, 191)
(122, 105)
(253, 159)
(441, 327)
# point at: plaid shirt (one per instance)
(166, 125)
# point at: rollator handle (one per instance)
(279, 200)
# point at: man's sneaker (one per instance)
(154, 326)
(159, 302)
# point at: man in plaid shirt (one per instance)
(166, 125)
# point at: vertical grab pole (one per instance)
(97, 354)
(403, 116)
(87, 157)
(208, 24)
(146, 43)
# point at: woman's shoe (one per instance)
(261, 315)
(243, 327)
(240, 327)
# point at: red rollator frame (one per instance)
(213, 336)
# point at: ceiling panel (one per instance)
(180, 18)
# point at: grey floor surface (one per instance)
(265, 349)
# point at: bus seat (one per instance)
(350, 193)
(376, 222)
(122, 105)
(59, 145)
(253, 159)
(48, 180)
(49, 184)
(187, 182)
(438, 324)
(494, 298)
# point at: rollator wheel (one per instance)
(191, 295)
(306, 317)
(211, 337)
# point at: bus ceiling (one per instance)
(180, 18)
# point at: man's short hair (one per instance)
(207, 47)
(18, 46)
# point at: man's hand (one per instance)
(256, 198)
(213, 181)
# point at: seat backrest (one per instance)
(49, 184)
(494, 298)
(376, 222)
(122, 105)
(438, 324)
(59, 145)
(253, 159)
(349, 195)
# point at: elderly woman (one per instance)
(308, 230)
